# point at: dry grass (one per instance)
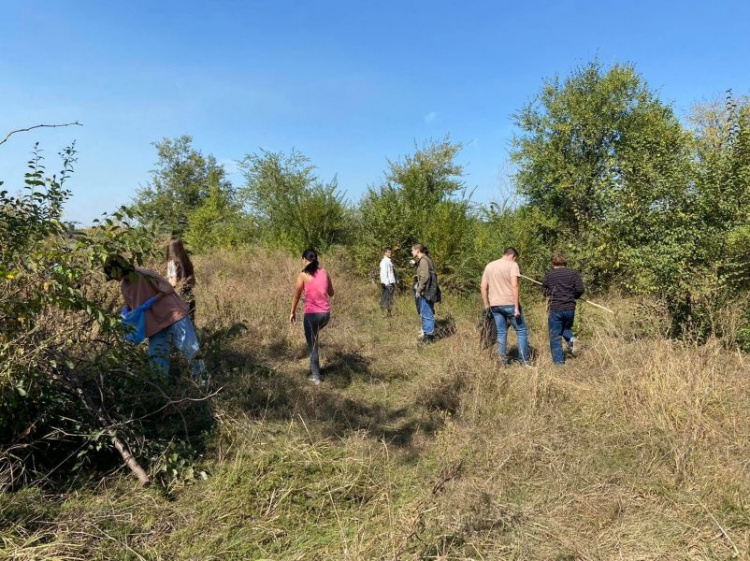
(636, 450)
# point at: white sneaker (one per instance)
(574, 346)
(315, 380)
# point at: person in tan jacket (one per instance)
(167, 320)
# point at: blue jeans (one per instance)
(313, 323)
(560, 325)
(427, 313)
(181, 335)
(504, 315)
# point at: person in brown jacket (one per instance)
(426, 292)
(167, 320)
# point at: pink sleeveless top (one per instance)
(316, 294)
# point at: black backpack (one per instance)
(432, 291)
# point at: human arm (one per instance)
(330, 286)
(485, 291)
(579, 288)
(546, 289)
(423, 275)
(515, 284)
(298, 287)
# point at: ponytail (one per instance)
(312, 256)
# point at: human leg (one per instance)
(500, 315)
(313, 323)
(158, 352)
(567, 333)
(427, 315)
(186, 341)
(522, 334)
(555, 326)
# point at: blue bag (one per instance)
(135, 321)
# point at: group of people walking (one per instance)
(501, 296)
(168, 305)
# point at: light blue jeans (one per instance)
(181, 335)
(504, 315)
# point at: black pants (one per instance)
(313, 324)
(386, 297)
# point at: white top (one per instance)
(387, 274)
(171, 269)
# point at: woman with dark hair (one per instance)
(318, 288)
(180, 273)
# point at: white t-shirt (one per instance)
(387, 274)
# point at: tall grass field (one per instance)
(636, 449)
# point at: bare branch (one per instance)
(11, 133)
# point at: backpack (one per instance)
(432, 292)
(487, 330)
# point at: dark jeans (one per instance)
(386, 297)
(560, 325)
(503, 316)
(313, 324)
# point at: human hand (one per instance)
(517, 312)
(293, 318)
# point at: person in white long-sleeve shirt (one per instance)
(387, 281)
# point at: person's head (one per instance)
(176, 252)
(116, 267)
(558, 261)
(388, 252)
(310, 260)
(510, 253)
(418, 250)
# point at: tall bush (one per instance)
(70, 389)
(293, 208)
(424, 200)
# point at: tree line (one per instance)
(640, 201)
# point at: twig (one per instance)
(11, 133)
(582, 299)
(722, 530)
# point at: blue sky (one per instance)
(350, 84)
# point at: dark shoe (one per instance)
(427, 339)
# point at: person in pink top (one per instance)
(318, 288)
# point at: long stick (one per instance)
(582, 299)
(11, 133)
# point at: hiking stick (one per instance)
(582, 299)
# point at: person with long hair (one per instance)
(180, 273)
(318, 289)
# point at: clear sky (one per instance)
(347, 83)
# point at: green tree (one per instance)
(180, 183)
(292, 206)
(218, 222)
(423, 199)
(600, 154)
